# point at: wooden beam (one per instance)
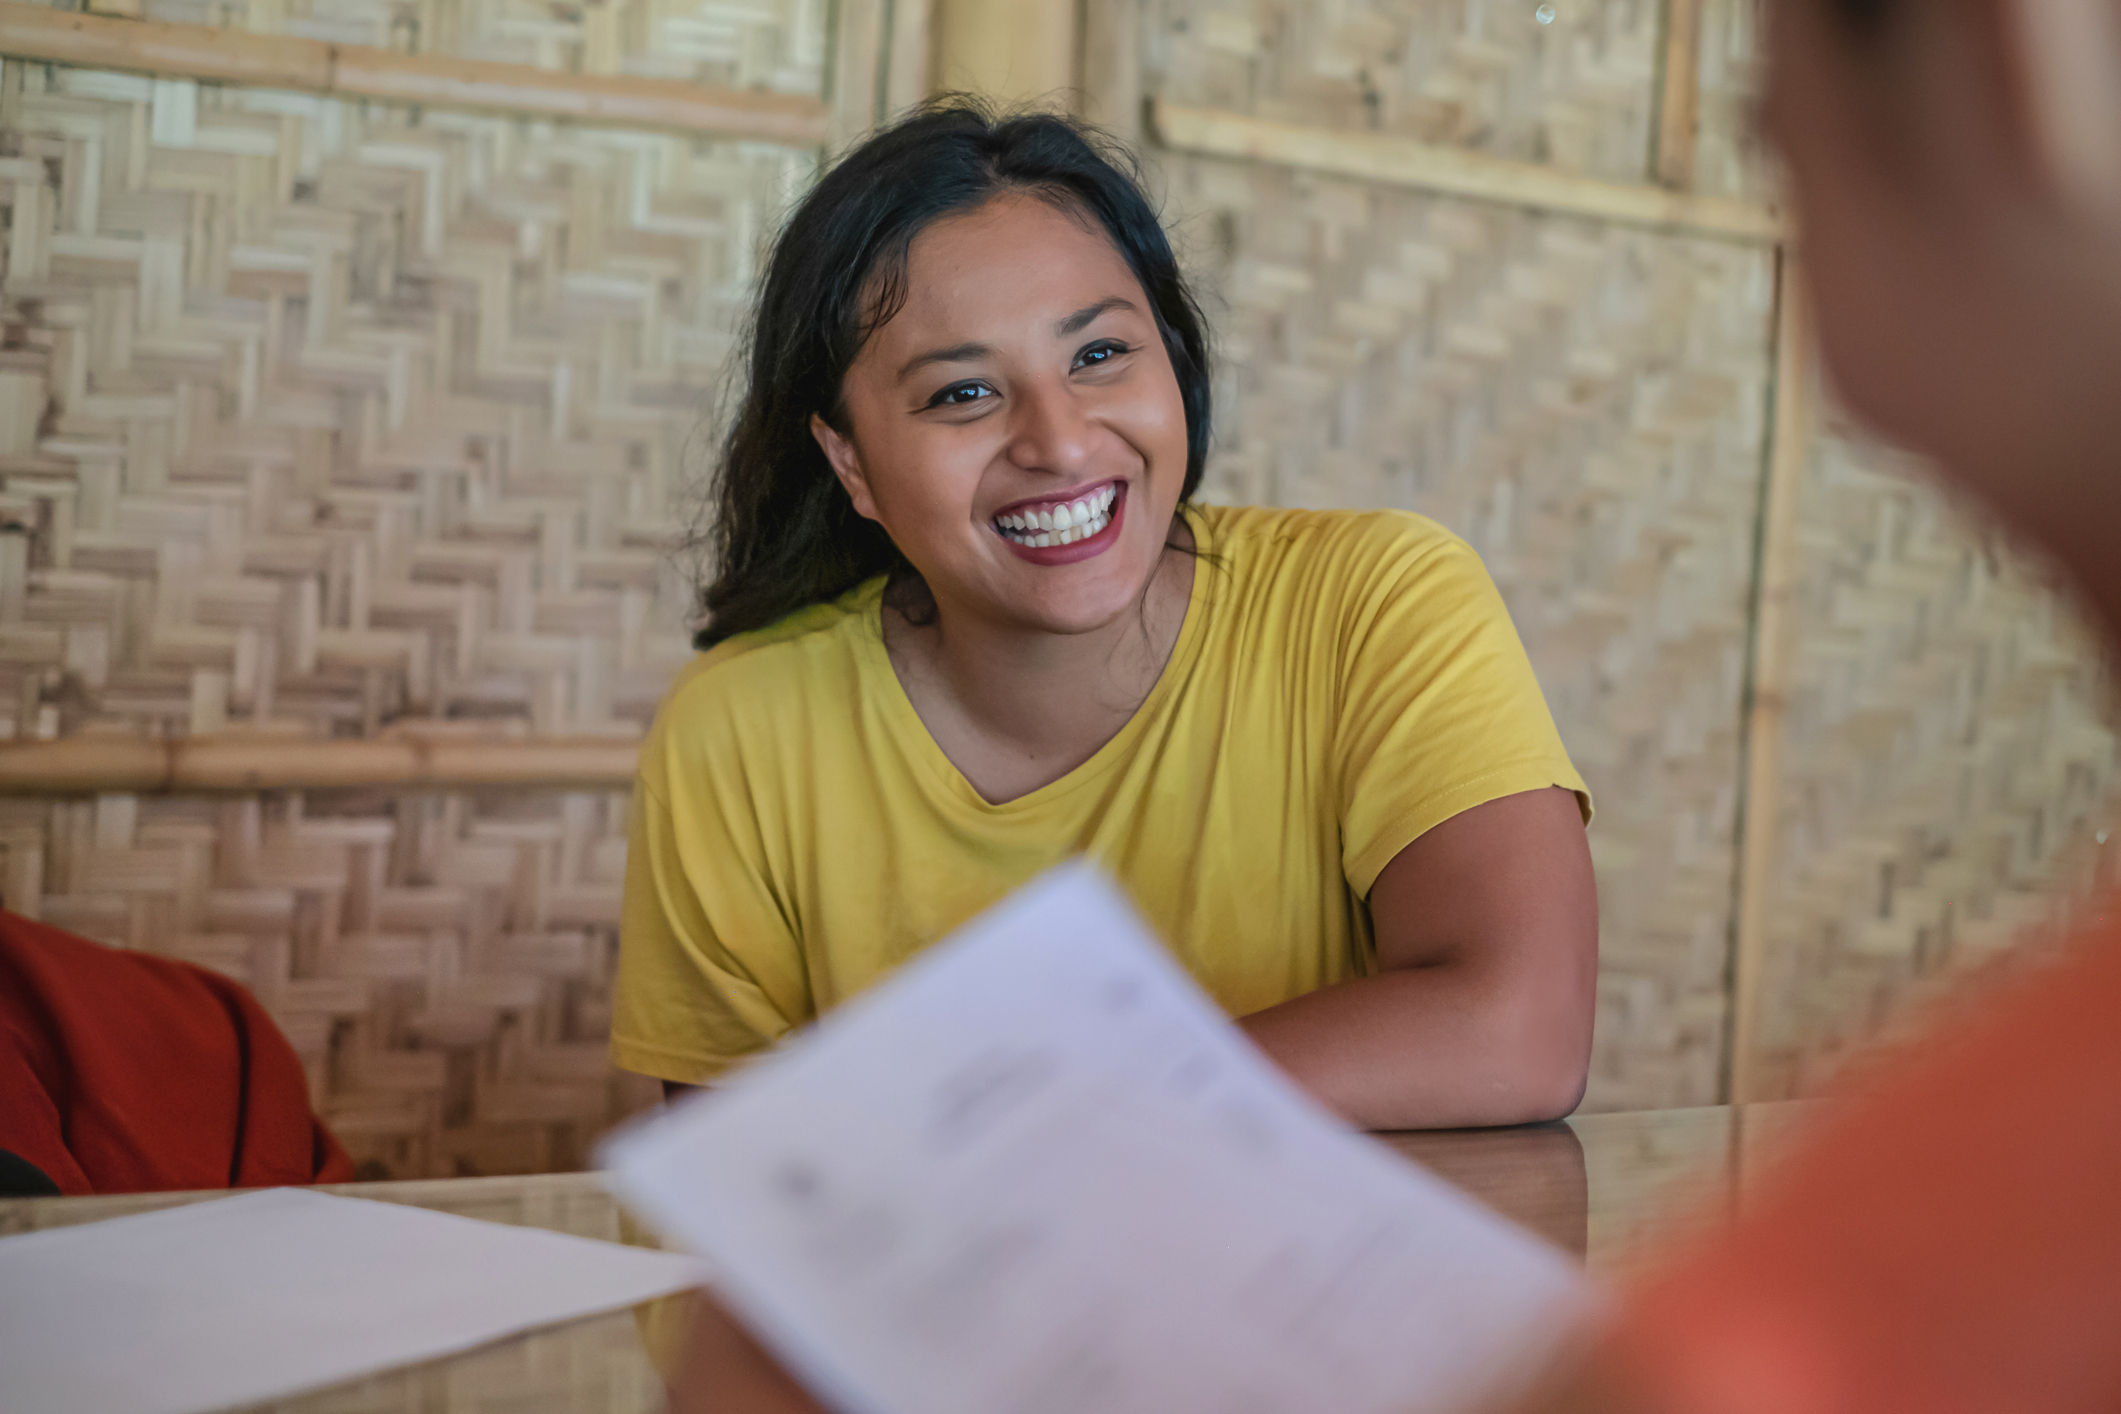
(1112, 67)
(1679, 95)
(359, 71)
(1405, 162)
(1789, 453)
(1012, 51)
(233, 761)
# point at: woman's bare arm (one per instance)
(1487, 944)
(728, 1372)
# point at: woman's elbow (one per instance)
(1547, 1062)
(1534, 1091)
(1553, 1088)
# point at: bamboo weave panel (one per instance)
(1947, 776)
(769, 44)
(1585, 405)
(317, 414)
(1577, 93)
(1729, 156)
(441, 963)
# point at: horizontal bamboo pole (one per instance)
(1399, 161)
(100, 765)
(360, 71)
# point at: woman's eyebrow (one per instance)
(1080, 320)
(967, 353)
(956, 353)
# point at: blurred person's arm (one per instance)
(1486, 930)
(1949, 1241)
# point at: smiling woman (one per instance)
(966, 624)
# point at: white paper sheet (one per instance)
(1038, 1171)
(252, 1297)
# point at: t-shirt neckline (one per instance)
(906, 718)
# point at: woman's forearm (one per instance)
(1480, 1011)
(1439, 1047)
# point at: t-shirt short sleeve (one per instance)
(710, 970)
(1439, 710)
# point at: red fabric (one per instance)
(125, 1073)
(1950, 1241)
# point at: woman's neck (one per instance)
(1016, 710)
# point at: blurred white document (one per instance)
(249, 1298)
(1039, 1171)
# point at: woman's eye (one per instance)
(958, 395)
(1104, 351)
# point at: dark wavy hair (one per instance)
(782, 532)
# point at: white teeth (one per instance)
(1061, 524)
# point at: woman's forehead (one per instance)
(1009, 259)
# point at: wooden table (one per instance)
(1601, 1186)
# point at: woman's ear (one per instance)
(846, 465)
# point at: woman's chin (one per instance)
(1073, 614)
(1080, 603)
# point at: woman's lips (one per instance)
(1096, 534)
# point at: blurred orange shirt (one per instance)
(1950, 1239)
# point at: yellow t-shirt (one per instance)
(1343, 681)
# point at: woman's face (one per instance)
(1017, 427)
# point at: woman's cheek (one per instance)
(1152, 422)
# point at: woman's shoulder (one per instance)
(1365, 551)
(749, 681)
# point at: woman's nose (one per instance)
(1049, 431)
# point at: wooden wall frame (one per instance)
(361, 71)
(1791, 433)
(1451, 171)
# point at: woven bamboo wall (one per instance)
(1948, 765)
(324, 413)
(1729, 159)
(1584, 404)
(440, 962)
(1577, 92)
(770, 44)
(321, 417)
(1946, 772)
